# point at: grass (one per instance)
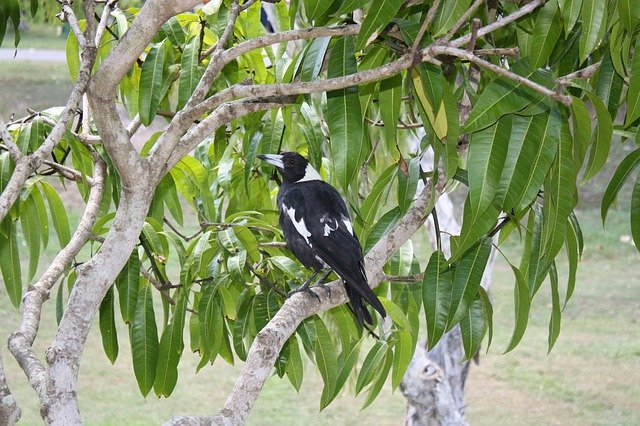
(38, 36)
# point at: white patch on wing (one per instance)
(300, 226)
(348, 224)
(326, 220)
(310, 174)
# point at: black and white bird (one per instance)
(318, 230)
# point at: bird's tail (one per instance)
(359, 309)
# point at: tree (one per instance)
(506, 92)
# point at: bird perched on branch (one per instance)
(319, 232)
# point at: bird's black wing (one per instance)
(328, 230)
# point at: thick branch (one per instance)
(21, 341)
(270, 340)
(13, 149)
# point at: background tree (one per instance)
(506, 93)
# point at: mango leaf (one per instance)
(633, 93)
(601, 143)
(108, 327)
(242, 323)
(325, 359)
(546, 33)
(144, 340)
(448, 15)
(173, 30)
(372, 203)
(128, 285)
(473, 327)
(608, 85)
(31, 229)
(594, 18)
(487, 153)
(170, 350)
(344, 116)
(189, 72)
(622, 173)
(402, 353)
(536, 139)
(371, 365)
(211, 327)
(437, 286)
(10, 264)
(407, 184)
(316, 9)
(314, 58)
(151, 83)
(466, 280)
(58, 213)
(294, 369)
(570, 12)
(629, 14)
(379, 15)
(346, 361)
(379, 380)
(390, 100)
(556, 315)
(581, 120)
(488, 312)
(522, 305)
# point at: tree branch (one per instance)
(9, 411)
(463, 54)
(270, 340)
(463, 19)
(21, 341)
(13, 149)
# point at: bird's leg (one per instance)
(320, 283)
(304, 286)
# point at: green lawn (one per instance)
(38, 36)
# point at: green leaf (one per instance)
(384, 225)
(313, 133)
(325, 358)
(622, 173)
(108, 327)
(629, 13)
(72, 50)
(466, 280)
(573, 257)
(488, 312)
(346, 361)
(536, 140)
(167, 188)
(581, 120)
(211, 323)
(150, 86)
(189, 72)
(449, 13)
(570, 13)
(58, 213)
(295, 370)
(522, 305)
(316, 8)
(594, 25)
(407, 184)
(487, 154)
(170, 350)
(10, 263)
(556, 315)
(546, 33)
(31, 229)
(379, 380)
(314, 58)
(242, 323)
(379, 15)
(173, 31)
(372, 203)
(437, 286)
(473, 327)
(390, 101)
(635, 214)
(559, 191)
(633, 93)
(144, 340)
(128, 285)
(601, 143)
(264, 308)
(608, 85)
(344, 116)
(501, 97)
(371, 365)
(402, 353)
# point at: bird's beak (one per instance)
(275, 159)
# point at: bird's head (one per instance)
(293, 167)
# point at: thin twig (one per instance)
(423, 28)
(403, 278)
(579, 74)
(400, 126)
(463, 19)
(500, 51)
(13, 149)
(164, 292)
(178, 233)
(265, 281)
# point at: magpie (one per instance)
(318, 230)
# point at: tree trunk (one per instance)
(434, 382)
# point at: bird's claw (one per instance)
(324, 287)
(304, 288)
